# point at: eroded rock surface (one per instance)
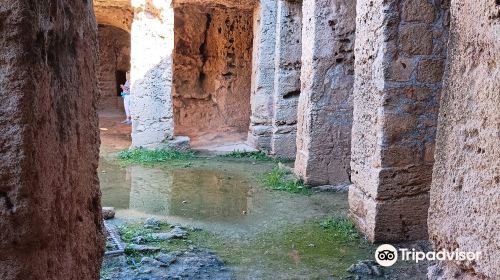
(50, 210)
(212, 69)
(464, 209)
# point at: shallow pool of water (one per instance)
(219, 194)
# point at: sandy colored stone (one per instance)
(117, 13)
(464, 209)
(395, 117)
(212, 70)
(416, 39)
(325, 102)
(400, 69)
(50, 209)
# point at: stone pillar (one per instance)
(264, 41)
(400, 52)
(287, 78)
(50, 209)
(152, 40)
(325, 103)
(464, 211)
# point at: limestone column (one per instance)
(286, 78)
(262, 88)
(400, 53)
(152, 40)
(464, 211)
(325, 102)
(50, 208)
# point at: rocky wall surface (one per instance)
(400, 53)
(117, 13)
(114, 55)
(238, 4)
(212, 70)
(50, 210)
(464, 209)
(325, 102)
(287, 78)
(152, 40)
(263, 68)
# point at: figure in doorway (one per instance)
(126, 99)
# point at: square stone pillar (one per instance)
(152, 40)
(262, 88)
(50, 207)
(464, 211)
(400, 53)
(287, 78)
(325, 102)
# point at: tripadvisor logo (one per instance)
(386, 255)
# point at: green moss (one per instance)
(141, 155)
(314, 249)
(260, 156)
(281, 180)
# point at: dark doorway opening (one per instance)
(121, 78)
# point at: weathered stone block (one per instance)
(416, 39)
(381, 223)
(418, 10)
(430, 71)
(400, 69)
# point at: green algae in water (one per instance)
(260, 156)
(306, 250)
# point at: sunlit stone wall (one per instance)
(151, 72)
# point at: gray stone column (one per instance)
(400, 52)
(152, 40)
(325, 103)
(287, 78)
(464, 211)
(259, 135)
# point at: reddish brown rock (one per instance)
(212, 70)
(430, 71)
(50, 213)
(418, 10)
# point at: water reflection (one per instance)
(195, 193)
